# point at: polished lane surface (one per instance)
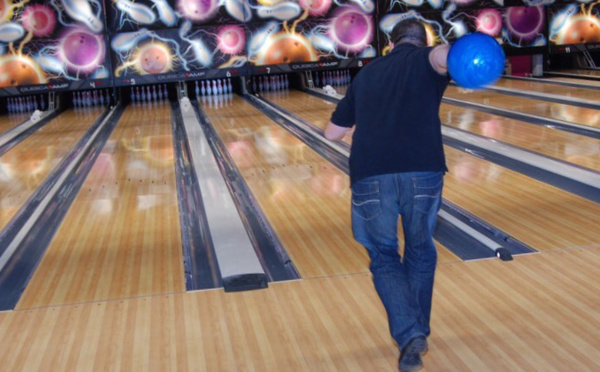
(584, 72)
(594, 83)
(8, 122)
(305, 198)
(539, 215)
(121, 236)
(531, 106)
(566, 146)
(538, 87)
(24, 167)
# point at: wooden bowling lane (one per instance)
(537, 313)
(24, 167)
(305, 198)
(121, 236)
(595, 83)
(559, 111)
(8, 122)
(538, 87)
(584, 72)
(566, 146)
(539, 215)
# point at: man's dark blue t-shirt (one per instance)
(394, 102)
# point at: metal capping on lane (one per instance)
(569, 177)
(567, 74)
(22, 254)
(238, 262)
(580, 102)
(277, 264)
(199, 259)
(553, 82)
(17, 134)
(456, 229)
(566, 126)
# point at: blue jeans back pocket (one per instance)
(366, 202)
(427, 191)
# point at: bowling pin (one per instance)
(165, 12)
(95, 98)
(143, 94)
(80, 10)
(131, 95)
(155, 96)
(203, 88)
(229, 86)
(214, 86)
(208, 88)
(219, 87)
(165, 92)
(140, 13)
(11, 31)
(197, 89)
(148, 93)
(283, 11)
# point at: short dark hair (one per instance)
(409, 31)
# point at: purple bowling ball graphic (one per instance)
(351, 29)
(80, 50)
(525, 23)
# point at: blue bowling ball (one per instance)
(475, 60)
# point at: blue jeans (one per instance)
(405, 286)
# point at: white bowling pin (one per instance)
(140, 13)
(165, 12)
(283, 11)
(11, 31)
(80, 10)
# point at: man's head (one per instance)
(409, 31)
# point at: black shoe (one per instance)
(410, 358)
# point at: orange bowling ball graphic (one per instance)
(19, 70)
(286, 48)
(581, 30)
(154, 60)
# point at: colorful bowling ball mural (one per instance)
(310, 30)
(49, 42)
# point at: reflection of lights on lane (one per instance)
(576, 114)
(20, 70)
